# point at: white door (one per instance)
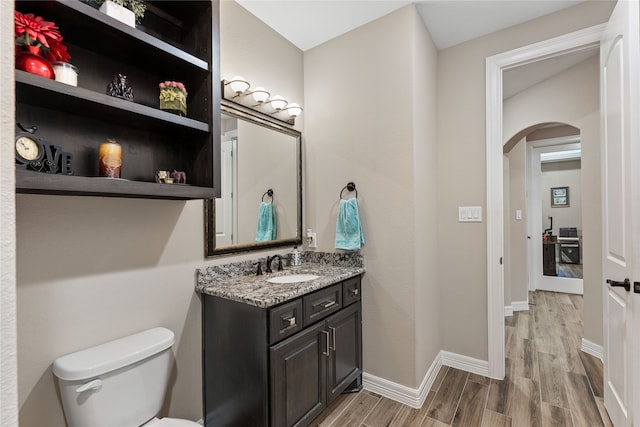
(619, 103)
(226, 204)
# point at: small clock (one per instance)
(37, 155)
(28, 148)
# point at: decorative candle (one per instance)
(66, 73)
(110, 159)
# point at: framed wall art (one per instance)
(559, 197)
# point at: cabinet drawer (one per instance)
(350, 291)
(285, 320)
(322, 303)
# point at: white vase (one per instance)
(118, 12)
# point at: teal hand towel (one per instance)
(349, 234)
(266, 223)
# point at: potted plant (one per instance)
(173, 97)
(128, 11)
(38, 44)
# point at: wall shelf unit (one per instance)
(178, 41)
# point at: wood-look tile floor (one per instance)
(569, 270)
(549, 381)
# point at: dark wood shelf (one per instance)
(29, 182)
(90, 28)
(37, 91)
(177, 41)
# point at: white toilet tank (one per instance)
(120, 383)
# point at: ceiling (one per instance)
(308, 23)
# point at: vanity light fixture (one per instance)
(237, 90)
(238, 85)
(293, 109)
(277, 102)
(260, 95)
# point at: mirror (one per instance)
(261, 172)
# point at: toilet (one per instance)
(121, 383)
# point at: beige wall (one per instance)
(518, 273)
(253, 50)
(370, 119)
(428, 342)
(94, 269)
(462, 169)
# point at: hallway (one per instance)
(549, 381)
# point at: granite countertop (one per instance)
(238, 281)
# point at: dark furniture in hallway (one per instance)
(549, 258)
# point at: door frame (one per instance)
(537, 280)
(495, 65)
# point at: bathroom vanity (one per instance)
(276, 354)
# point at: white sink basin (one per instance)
(293, 278)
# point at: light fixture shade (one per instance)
(294, 109)
(238, 84)
(260, 94)
(278, 102)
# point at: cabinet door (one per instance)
(345, 350)
(298, 372)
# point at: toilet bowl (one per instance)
(121, 383)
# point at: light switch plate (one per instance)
(518, 214)
(469, 213)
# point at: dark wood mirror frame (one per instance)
(255, 117)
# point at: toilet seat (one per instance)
(171, 422)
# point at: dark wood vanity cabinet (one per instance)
(312, 368)
(255, 376)
(176, 41)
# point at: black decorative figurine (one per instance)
(119, 88)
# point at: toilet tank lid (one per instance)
(112, 355)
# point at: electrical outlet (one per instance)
(312, 239)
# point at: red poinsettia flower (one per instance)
(31, 30)
(34, 30)
(57, 52)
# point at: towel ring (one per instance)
(268, 193)
(349, 187)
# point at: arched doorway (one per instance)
(542, 234)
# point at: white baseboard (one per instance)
(465, 363)
(406, 395)
(593, 349)
(415, 397)
(520, 305)
(515, 306)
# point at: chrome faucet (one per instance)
(270, 260)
